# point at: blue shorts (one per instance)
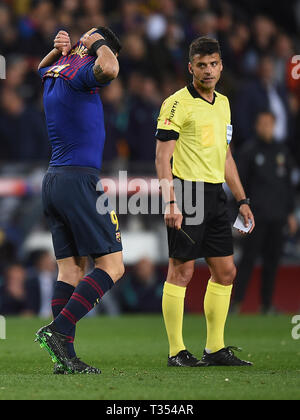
(70, 199)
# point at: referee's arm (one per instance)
(234, 183)
(164, 153)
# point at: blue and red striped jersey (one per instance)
(74, 111)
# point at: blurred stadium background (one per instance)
(259, 39)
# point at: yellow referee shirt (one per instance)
(203, 132)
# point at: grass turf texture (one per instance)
(132, 353)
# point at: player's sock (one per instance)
(85, 297)
(173, 310)
(61, 296)
(216, 307)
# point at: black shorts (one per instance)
(212, 237)
(70, 205)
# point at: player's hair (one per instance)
(204, 46)
(113, 41)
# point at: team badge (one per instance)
(118, 236)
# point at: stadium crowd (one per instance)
(258, 44)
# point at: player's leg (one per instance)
(179, 275)
(70, 271)
(85, 297)
(108, 270)
(216, 307)
(93, 233)
(112, 264)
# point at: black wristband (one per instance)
(171, 202)
(245, 201)
(96, 45)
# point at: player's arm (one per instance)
(164, 153)
(234, 183)
(106, 66)
(62, 45)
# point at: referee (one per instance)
(194, 130)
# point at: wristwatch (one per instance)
(245, 201)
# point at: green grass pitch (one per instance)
(132, 353)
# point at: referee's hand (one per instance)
(173, 216)
(247, 214)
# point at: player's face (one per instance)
(206, 70)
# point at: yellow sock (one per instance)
(173, 310)
(216, 307)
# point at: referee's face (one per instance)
(206, 70)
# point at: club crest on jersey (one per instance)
(118, 236)
(79, 50)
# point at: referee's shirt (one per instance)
(203, 132)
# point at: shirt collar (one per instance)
(195, 94)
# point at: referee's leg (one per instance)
(217, 300)
(179, 275)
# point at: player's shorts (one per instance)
(212, 237)
(70, 197)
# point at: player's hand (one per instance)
(62, 42)
(247, 214)
(173, 216)
(88, 40)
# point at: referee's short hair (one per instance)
(204, 46)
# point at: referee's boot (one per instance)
(224, 357)
(184, 359)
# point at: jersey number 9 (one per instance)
(114, 219)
